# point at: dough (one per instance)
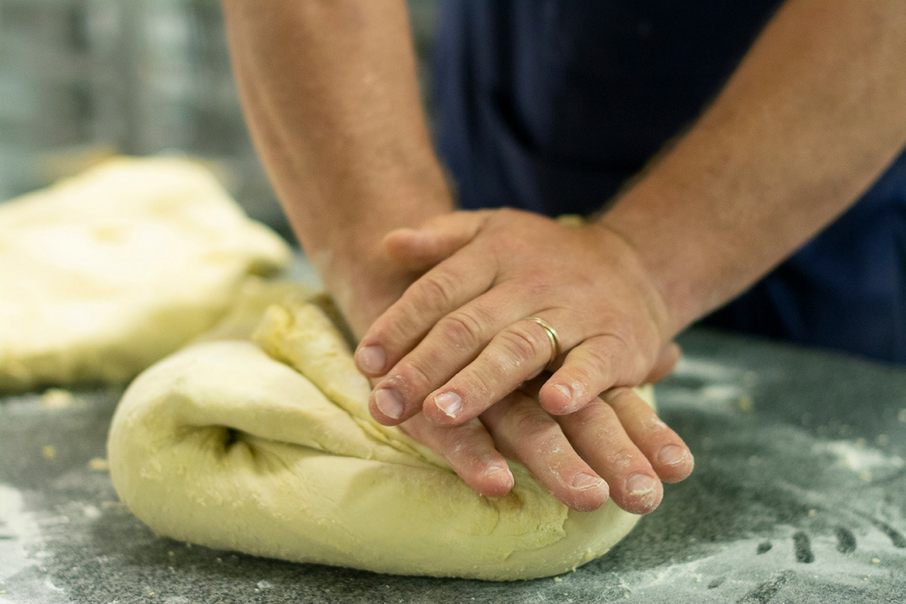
(106, 273)
(274, 454)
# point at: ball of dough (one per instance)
(274, 454)
(103, 274)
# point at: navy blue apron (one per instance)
(551, 105)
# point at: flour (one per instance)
(20, 528)
(855, 455)
(713, 388)
(712, 372)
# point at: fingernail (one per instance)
(449, 402)
(371, 359)
(671, 455)
(566, 392)
(585, 482)
(574, 397)
(639, 484)
(388, 401)
(495, 470)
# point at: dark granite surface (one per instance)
(799, 495)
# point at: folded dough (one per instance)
(103, 274)
(274, 454)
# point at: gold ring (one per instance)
(552, 336)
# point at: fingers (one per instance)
(469, 450)
(525, 432)
(595, 365)
(598, 436)
(453, 343)
(470, 360)
(423, 248)
(669, 455)
(517, 353)
(615, 448)
(440, 291)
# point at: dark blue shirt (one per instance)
(551, 105)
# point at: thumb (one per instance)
(436, 240)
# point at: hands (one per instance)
(457, 346)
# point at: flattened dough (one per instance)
(104, 274)
(274, 453)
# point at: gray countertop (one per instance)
(799, 495)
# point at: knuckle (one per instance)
(616, 458)
(412, 379)
(461, 329)
(539, 284)
(610, 356)
(507, 243)
(616, 327)
(650, 426)
(436, 290)
(606, 441)
(522, 342)
(624, 460)
(598, 365)
(534, 428)
(605, 444)
(508, 214)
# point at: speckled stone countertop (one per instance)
(799, 495)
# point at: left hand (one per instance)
(457, 341)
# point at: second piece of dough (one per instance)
(103, 274)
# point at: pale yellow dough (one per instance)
(103, 274)
(274, 453)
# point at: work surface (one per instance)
(798, 495)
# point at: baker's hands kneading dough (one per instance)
(458, 346)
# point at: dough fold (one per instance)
(103, 274)
(274, 454)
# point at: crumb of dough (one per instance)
(56, 398)
(99, 464)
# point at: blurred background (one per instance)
(84, 79)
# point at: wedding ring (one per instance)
(552, 336)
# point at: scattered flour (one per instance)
(855, 455)
(18, 524)
(57, 398)
(712, 372)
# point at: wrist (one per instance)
(362, 290)
(623, 256)
(674, 268)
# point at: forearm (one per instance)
(814, 113)
(330, 95)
